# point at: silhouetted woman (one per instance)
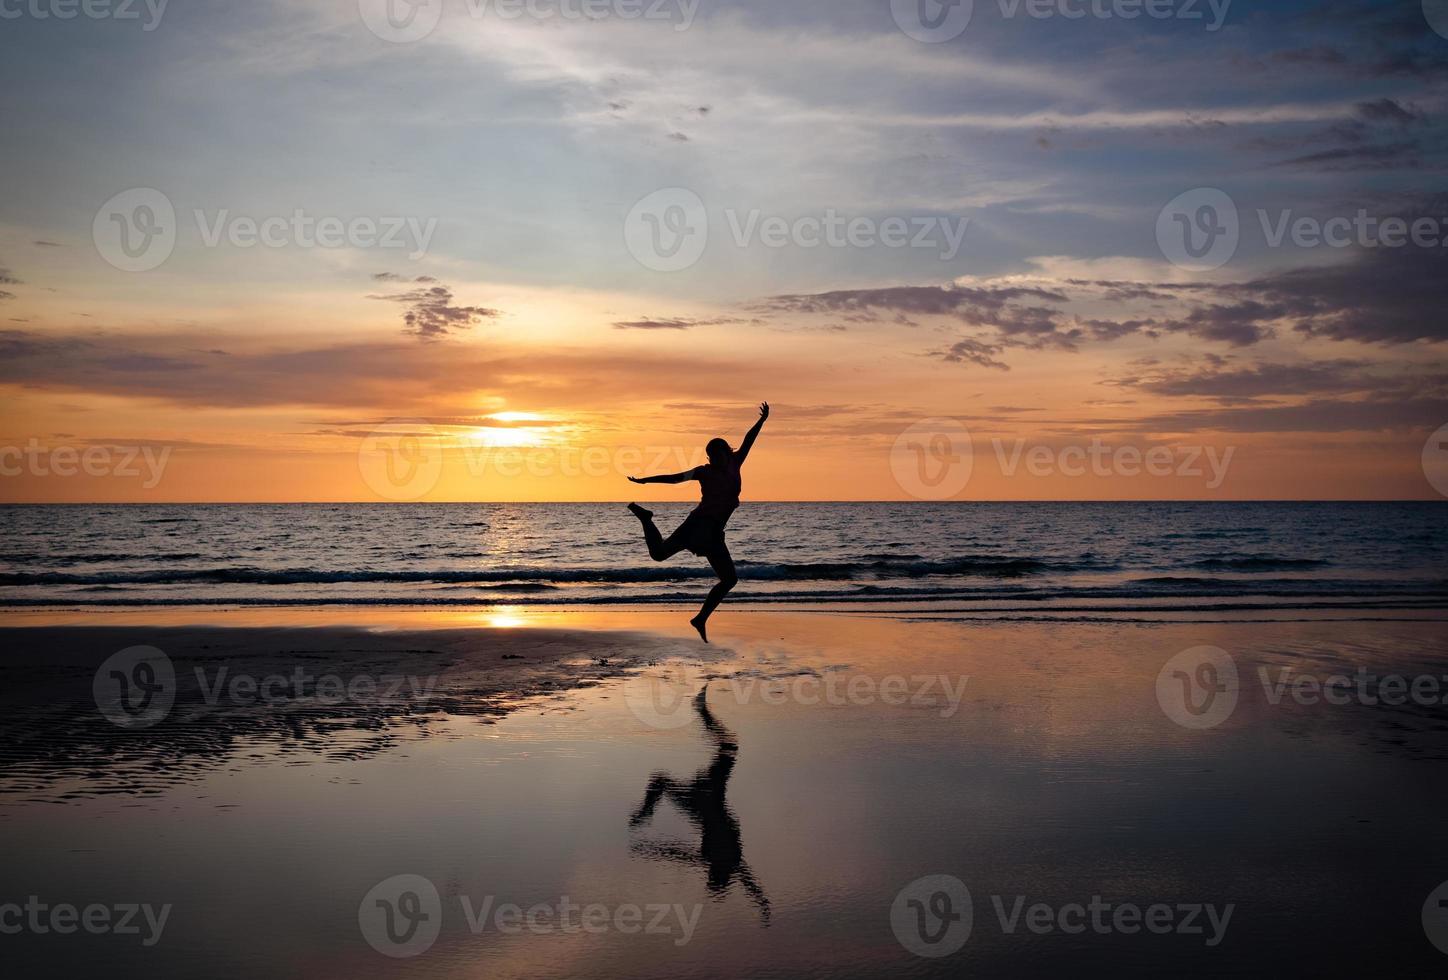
(703, 530)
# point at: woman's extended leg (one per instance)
(723, 564)
(659, 549)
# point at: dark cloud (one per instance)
(6, 279)
(1381, 295)
(407, 377)
(675, 324)
(1402, 155)
(1388, 110)
(971, 351)
(671, 323)
(994, 308)
(1317, 415)
(1250, 383)
(430, 312)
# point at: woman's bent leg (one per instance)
(723, 564)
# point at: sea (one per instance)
(1002, 558)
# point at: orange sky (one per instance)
(551, 401)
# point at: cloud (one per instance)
(430, 312)
(671, 323)
(975, 352)
(1266, 379)
(1379, 295)
(405, 378)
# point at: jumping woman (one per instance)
(703, 530)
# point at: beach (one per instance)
(373, 792)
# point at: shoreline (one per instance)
(628, 615)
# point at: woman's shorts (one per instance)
(701, 534)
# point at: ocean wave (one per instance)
(1255, 563)
(767, 571)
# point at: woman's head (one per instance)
(718, 451)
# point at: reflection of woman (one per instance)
(721, 850)
(703, 530)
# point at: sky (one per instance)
(483, 250)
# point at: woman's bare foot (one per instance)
(640, 513)
(698, 623)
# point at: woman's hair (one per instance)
(718, 451)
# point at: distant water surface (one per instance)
(997, 555)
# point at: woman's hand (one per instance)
(634, 479)
(763, 411)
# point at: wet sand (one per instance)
(835, 761)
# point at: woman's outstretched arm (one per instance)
(683, 477)
(753, 433)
